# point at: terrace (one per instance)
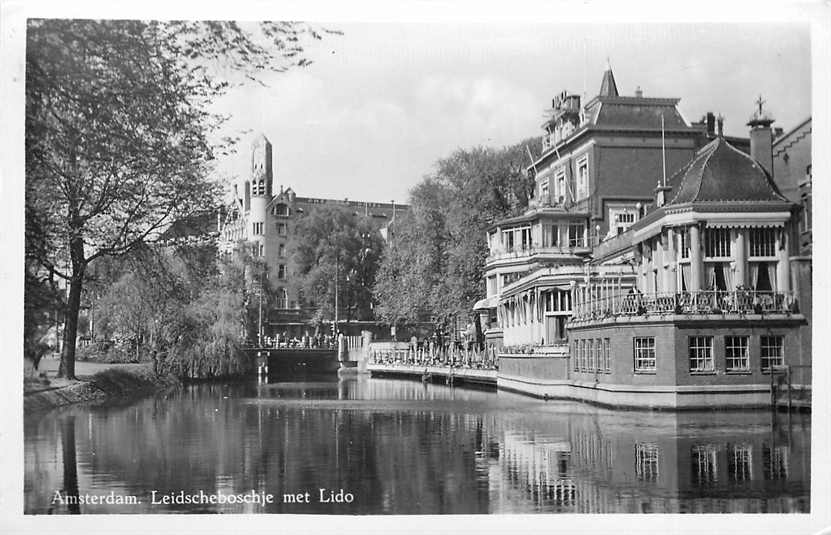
(704, 302)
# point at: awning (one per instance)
(745, 224)
(486, 303)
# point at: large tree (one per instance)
(433, 266)
(336, 251)
(118, 132)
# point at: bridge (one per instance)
(289, 360)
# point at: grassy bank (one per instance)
(113, 381)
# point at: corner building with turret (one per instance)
(263, 219)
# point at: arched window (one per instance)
(282, 298)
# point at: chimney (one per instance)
(711, 124)
(639, 92)
(761, 139)
(662, 194)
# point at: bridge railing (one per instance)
(445, 356)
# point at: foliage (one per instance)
(41, 300)
(117, 132)
(433, 267)
(193, 311)
(333, 242)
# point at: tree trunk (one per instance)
(73, 308)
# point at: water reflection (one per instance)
(407, 447)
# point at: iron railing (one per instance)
(698, 302)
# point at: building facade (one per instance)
(264, 219)
(593, 180)
(694, 291)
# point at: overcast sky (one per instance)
(381, 103)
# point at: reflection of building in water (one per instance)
(608, 463)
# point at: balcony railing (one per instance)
(699, 302)
(518, 252)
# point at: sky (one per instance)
(383, 102)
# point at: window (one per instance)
(282, 298)
(575, 235)
(281, 251)
(701, 353)
(544, 190)
(684, 242)
(281, 272)
(282, 230)
(258, 229)
(560, 186)
(739, 460)
(508, 237)
(644, 348)
(806, 215)
(772, 351)
(704, 464)
(762, 242)
(554, 236)
(623, 220)
(591, 359)
(717, 243)
(646, 461)
(281, 210)
(774, 462)
(607, 356)
(576, 355)
(582, 178)
(525, 237)
(736, 353)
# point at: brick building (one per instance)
(595, 176)
(264, 219)
(688, 288)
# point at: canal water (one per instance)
(387, 446)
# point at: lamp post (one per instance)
(337, 276)
(260, 315)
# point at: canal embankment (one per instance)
(97, 383)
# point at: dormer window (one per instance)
(281, 210)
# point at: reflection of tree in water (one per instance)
(70, 464)
(428, 456)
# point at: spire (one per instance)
(608, 88)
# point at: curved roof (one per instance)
(721, 173)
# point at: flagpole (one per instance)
(663, 152)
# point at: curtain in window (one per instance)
(771, 267)
(710, 276)
(686, 274)
(754, 275)
(728, 277)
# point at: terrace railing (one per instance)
(698, 302)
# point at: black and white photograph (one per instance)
(375, 271)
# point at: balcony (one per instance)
(703, 302)
(501, 254)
